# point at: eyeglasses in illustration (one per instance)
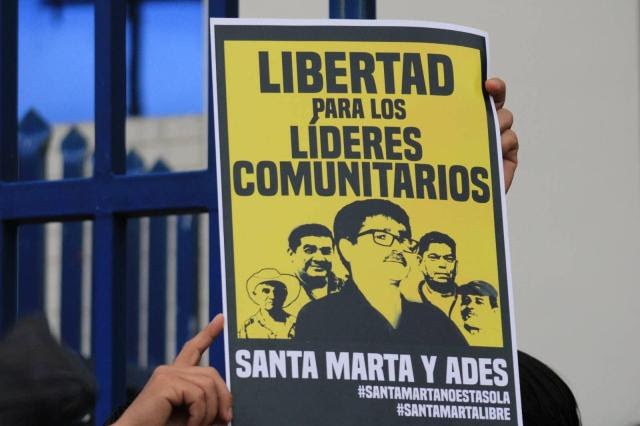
(387, 239)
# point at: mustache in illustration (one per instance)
(397, 258)
(319, 264)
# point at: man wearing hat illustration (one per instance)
(272, 292)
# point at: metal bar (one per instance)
(157, 283)
(134, 65)
(30, 269)
(135, 165)
(133, 195)
(71, 283)
(8, 90)
(109, 312)
(157, 291)
(109, 239)
(72, 199)
(74, 154)
(133, 290)
(33, 139)
(162, 193)
(8, 275)
(110, 80)
(352, 9)
(34, 134)
(223, 9)
(187, 279)
(8, 156)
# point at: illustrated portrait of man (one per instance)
(439, 265)
(311, 251)
(479, 312)
(272, 292)
(373, 239)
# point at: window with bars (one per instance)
(110, 197)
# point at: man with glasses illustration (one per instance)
(373, 238)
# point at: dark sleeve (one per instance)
(442, 329)
(457, 336)
(306, 323)
(451, 333)
(119, 412)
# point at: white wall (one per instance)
(574, 210)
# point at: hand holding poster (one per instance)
(362, 215)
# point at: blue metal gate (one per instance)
(110, 196)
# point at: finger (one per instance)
(498, 89)
(192, 350)
(510, 145)
(155, 403)
(509, 173)
(206, 380)
(224, 400)
(186, 393)
(505, 119)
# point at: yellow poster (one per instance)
(361, 213)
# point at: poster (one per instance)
(362, 221)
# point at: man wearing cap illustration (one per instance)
(373, 238)
(271, 291)
(479, 312)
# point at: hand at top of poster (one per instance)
(183, 393)
(498, 89)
